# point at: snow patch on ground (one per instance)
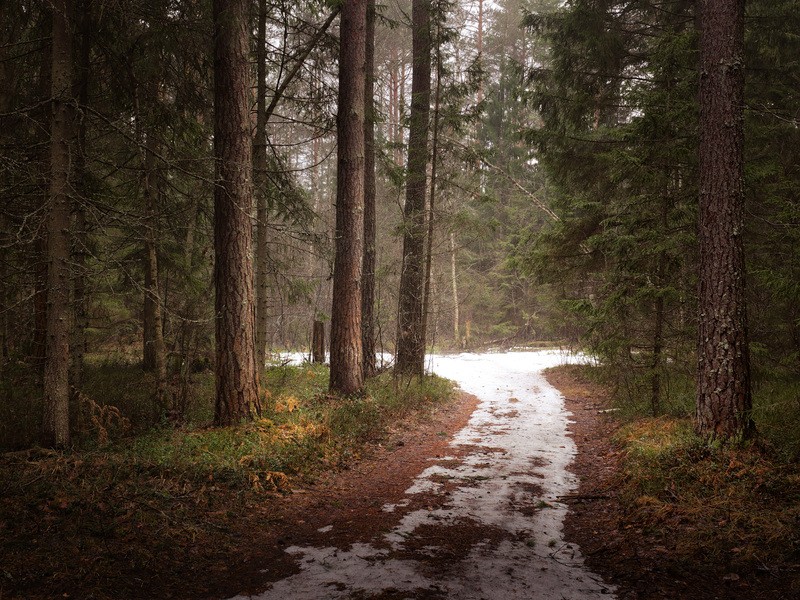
(510, 480)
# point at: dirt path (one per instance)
(480, 517)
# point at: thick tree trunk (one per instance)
(260, 170)
(347, 376)
(55, 425)
(368, 267)
(235, 370)
(410, 340)
(724, 399)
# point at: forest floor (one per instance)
(419, 516)
(667, 547)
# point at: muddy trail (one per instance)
(476, 516)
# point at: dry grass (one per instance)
(736, 508)
(114, 520)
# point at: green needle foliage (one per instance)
(617, 97)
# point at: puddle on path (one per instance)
(495, 531)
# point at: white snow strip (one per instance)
(518, 451)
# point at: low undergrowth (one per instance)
(734, 508)
(776, 400)
(96, 519)
(731, 509)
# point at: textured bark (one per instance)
(724, 399)
(346, 352)
(368, 267)
(55, 424)
(235, 368)
(260, 170)
(410, 340)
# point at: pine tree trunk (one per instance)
(410, 341)
(260, 170)
(153, 327)
(154, 351)
(4, 299)
(346, 351)
(480, 47)
(6, 74)
(432, 202)
(44, 91)
(658, 346)
(235, 369)
(724, 400)
(55, 426)
(394, 107)
(368, 267)
(454, 282)
(155, 348)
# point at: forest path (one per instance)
(482, 521)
